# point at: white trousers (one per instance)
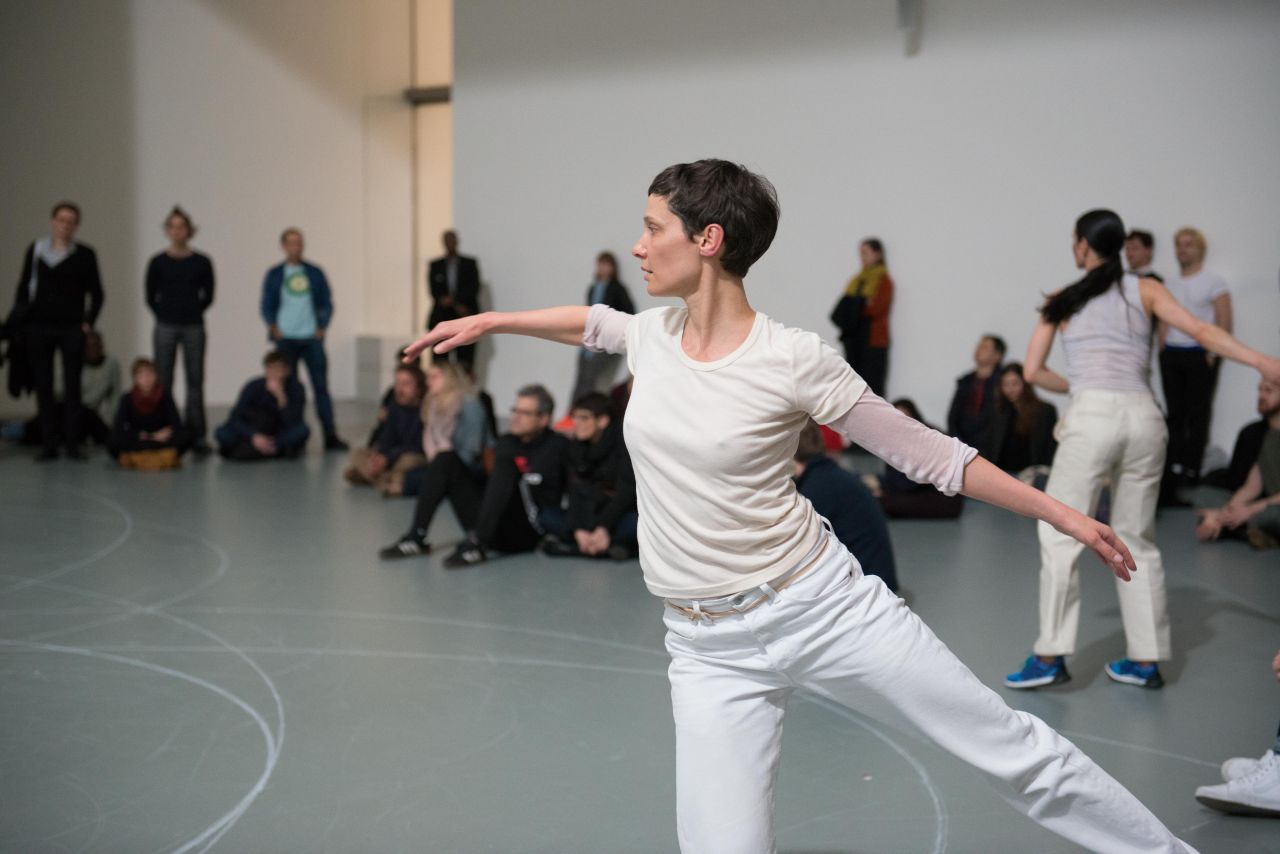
(842, 634)
(1120, 436)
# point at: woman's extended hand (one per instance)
(1103, 541)
(449, 335)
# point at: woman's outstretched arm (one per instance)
(564, 324)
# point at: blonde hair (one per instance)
(1196, 236)
(457, 387)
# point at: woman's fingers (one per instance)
(1115, 554)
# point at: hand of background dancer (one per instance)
(565, 324)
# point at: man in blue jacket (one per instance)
(297, 306)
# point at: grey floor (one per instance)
(215, 659)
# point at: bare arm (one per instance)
(1214, 338)
(564, 324)
(1033, 367)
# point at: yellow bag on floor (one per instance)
(156, 460)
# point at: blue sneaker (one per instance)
(1132, 673)
(1036, 674)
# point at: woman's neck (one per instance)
(720, 317)
(176, 251)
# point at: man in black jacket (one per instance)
(454, 284)
(49, 311)
(601, 520)
(522, 499)
(266, 422)
(975, 397)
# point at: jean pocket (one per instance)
(834, 572)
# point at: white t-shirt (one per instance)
(1196, 293)
(712, 445)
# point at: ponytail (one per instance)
(1104, 232)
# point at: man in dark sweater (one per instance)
(454, 284)
(975, 397)
(179, 289)
(1248, 442)
(601, 520)
(57, 303)
(843, 500)
(266, 422)
(523, 497)
(397, 444)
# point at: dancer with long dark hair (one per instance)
(759, 597)
(1113, 431)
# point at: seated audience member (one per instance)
(147, 432)
(388, 397)
(397, 445)
(454, 439)
(976, 391)
(1248, 441)
(1252, 786)
(620, 396)
(522, 499)
(266, 422)
(99, 392)
(1020, 435)
(903, 498)
(844, 501)
(601, 519)
(1254, 509)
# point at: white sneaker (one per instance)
(1256, 793)
(1240, 766)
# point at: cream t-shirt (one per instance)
(712, 445)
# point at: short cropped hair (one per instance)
(718, 192)
(184, 216)
(290, 230)
(997, 342)
(274, 357)
(1146, 238)
(546, 403)
(66, 206)
(140, 363)
(1196, 236)
(810, 444)
(415, 371)
(597, 403)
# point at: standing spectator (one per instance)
(454, 440)
(975, 396)
(297, 306)
(1189, 371)
(862, 316)
(521, 503)
(398, 446)
(99, 392)
(1139, 247)
(596, 371)
(601, 520)
(454, 284)
(1021, 433)
(147, 431)
(848, 506)
(179, 288)
(58, 299)
(266, 422)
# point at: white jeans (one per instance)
(842, 634)
(1121, 436)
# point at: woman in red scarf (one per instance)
(147, 431)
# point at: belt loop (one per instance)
(769, 591)
(698, 615)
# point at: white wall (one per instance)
(253, 116)
(971, 160)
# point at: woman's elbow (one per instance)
(1029, 373)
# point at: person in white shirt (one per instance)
(1188, 371)
(759, 596)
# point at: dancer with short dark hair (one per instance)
(760, 598)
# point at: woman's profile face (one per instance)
(868, 256)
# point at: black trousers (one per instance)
(42, 342)
(166, 339)
(1189, 384)
(503, 520)
(447, 476)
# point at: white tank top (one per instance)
(1108, 342)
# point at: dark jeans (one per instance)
(91, 424)
(42, 342)
(503, 519)
(236, 442)
(311, 352)
(165, 339)
(447, 476)
(1189, 383)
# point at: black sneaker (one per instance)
(554, 547)
(202, 449)
(407, 546)
(468, 553)
(621, 552)
(334, 442)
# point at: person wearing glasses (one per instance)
(521, 504)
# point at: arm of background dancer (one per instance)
(985, 482)
(1209, 336)
(564, 324)
(1033, 367)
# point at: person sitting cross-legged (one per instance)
(522, 500)
(1253, 512)
(601, 520)
(266, 422)
(147, 432)
(397, 445)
